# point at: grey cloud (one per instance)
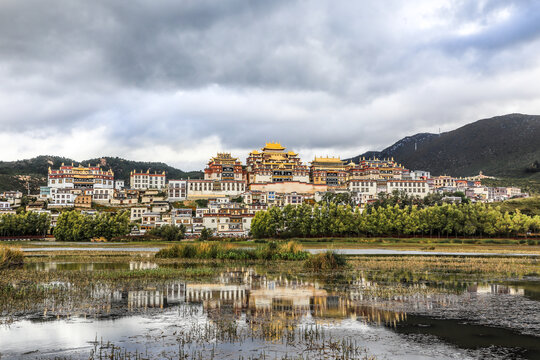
(315, 74)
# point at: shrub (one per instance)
(328, 260)
(206, 234)
(291, 251)
(169, 232)
(10, 257)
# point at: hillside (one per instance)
(505, 146)
(15, 174)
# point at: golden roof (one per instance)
(332, 160)
(223, 157)
(273, 146)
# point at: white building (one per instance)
(119, 184)
(146, 180)
(420, 174)
(14, 198)
(177, 190)
(137, 212)
(160, 207)
(80, 177)
(369, 189)
(513, 191)
(5, 208)
(228, 224)
(183, 217)
(198, 188)
(102, 195)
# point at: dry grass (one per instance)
(451, 264)
(10, 257)
(326, 261)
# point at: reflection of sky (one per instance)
(156, 333)
(247, 299)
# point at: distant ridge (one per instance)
(506, 146)
(15, 174)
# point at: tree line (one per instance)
(74, 226)
(24, 224)
(330, 219)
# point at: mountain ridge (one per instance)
(15, 174)
(506, 145)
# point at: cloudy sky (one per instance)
(177, 81)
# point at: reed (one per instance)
(272, 251)
(10, 257)
(326, 261)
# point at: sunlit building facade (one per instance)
(224, 167)
(80, 177)
(274, 164)
(376, 169)
(328, 171)
(147, 180)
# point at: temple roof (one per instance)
(273, 146)
(328, 160)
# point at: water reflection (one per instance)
(278, 309)
(97, 266)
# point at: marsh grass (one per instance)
(485, 265)
(206, 250)
(326, 261)
(10, 257)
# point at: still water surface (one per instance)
(242, 313)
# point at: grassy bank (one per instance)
(499, 266)
(528, 206)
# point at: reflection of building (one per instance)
(215, 295)
(283, 298)
(494, 289)
(146, 299)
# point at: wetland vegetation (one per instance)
(10, 257)
(204, 306)
(216, 250)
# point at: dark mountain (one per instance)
(122, 168)
(15, 174)
(399, 149)
(506, 146)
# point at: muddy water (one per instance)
(245, 314)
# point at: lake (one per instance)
(252, 313)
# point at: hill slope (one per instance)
(14, 174)
(505, 146)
